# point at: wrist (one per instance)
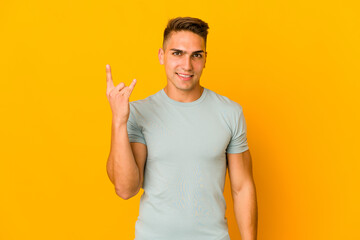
(119, 124)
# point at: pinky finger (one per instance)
(132, 85)
(129, 89)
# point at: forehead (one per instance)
(185, 40)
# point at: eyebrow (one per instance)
(178, 50)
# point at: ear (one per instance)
(161, 56)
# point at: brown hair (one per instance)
(194, 25)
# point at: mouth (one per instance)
(184, 76)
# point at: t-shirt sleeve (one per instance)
(134, 131)
(238, 142)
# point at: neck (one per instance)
(184, 95)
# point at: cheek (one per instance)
(171, 66)
(199, 66)
(170, 69)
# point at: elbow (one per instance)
(125, 195)
(244, 188)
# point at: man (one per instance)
(177, 145)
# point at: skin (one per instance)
(118, 97)
(187, 60)
(243, 193)
(126, 160)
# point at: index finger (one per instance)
(109, 81)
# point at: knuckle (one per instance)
(112, 94)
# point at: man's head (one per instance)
(184, 52)
(194, 25)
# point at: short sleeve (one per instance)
(134, 131)
(238, 142)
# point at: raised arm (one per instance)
(125, 165)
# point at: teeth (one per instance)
(184, 75)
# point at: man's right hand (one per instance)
(118, 97)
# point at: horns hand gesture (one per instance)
(118, 97)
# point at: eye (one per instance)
(197, 55)
(176, 53)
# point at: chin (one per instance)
(186, 88)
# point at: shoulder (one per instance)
(225, 103)
(145, 103)
(141, 109)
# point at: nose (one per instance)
(187, 64)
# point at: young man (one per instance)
(177, 145)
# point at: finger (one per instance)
(132, 85)
(122, 92)
(128, 90)
(119, 87)
(109, 81)
(131, 88)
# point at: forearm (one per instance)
(246, 214)
(122, 168)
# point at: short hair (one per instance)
(194, 25)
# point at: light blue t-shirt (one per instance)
(185, 170)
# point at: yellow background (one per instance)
(292, 65)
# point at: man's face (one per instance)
(184, 58)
